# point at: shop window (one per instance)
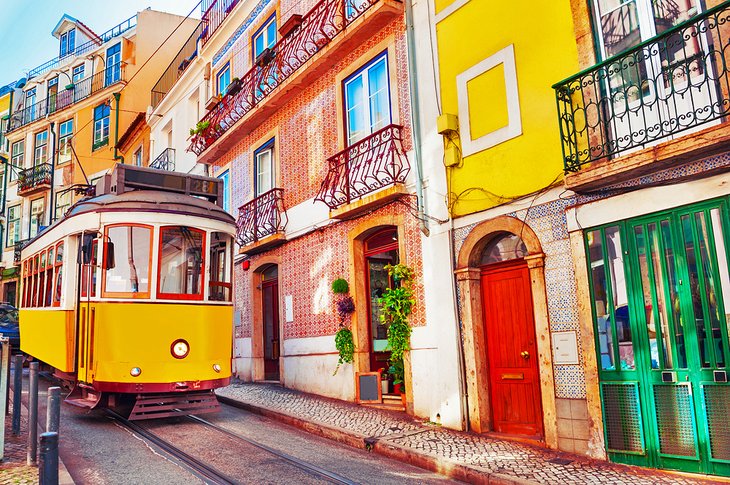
(181, 263)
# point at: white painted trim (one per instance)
(646, 201)
(470, 146)
(456, 5)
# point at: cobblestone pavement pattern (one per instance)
(13, 470)
(482, 453)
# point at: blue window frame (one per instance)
(101, 126)
(367, 99)
(68, 43)
(264, 168)
(113, 64)
(226, 178)
(264, 37)
(224, 78)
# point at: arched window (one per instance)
(504, 246)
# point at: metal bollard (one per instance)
(17, 392)
(4, 374)
(53, 410)
(48, 465)
(33, 415)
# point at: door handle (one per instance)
(525, 354)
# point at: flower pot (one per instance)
(69, 87)
(234, 87)
(384, 386)
(397, 389)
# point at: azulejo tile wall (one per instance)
(549, 222)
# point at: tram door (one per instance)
(87, 317)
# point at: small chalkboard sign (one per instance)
(367, 387)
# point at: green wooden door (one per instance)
(665, 401)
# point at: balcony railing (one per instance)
(371, 164)
(176, 68)
(673, 82)
(214, 16)
(261, 217)
(318, 27)
(34, 177)
(82, 49)
(18, 249)
(56, 102)
(165, 160)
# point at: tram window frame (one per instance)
(58, 275)
(126, 294)
(227, 284)
(201, 286)
(93, 271)
(34, 288)
(41, 290)
(50, 267)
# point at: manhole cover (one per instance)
(561, 461)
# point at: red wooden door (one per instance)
(514, 381)
(270, 290)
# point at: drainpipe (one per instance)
(52, 201)
(415, 117)
(116, 128)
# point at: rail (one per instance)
(214, 16)
(76, 92)
(260, 217)
(18, 250)
(174, 71)
(371, 164)
(30, 178)
(115, 31)
(275, 65)
(165, 160)
(674, 82)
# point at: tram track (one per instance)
(212, 475)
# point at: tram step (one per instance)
(83, 396)
(152, 406)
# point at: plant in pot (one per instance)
(345, 307)
(233, 87)
(396, 306)
(200, 127)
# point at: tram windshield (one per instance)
(181, 262)
(129, 273)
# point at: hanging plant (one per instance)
(340, 286)
(345, 307)
(345, 346)
(396, 305)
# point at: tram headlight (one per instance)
(135, 371)
(180, 349)
(216, 367)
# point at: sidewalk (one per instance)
(464, 456)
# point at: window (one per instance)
(220, 270)
(138, 157)
(37, 211)
(31, 110)
(17, 159)
(265, 37)
(181, 263)
(78, 73)
(101, 126)
(63, 202)
(367, 100)
(225, 177)
(224, 78)
(264, 168)
(65, 132)
(52, 94)
(129, 272)
(3, 140)
(13, 225)
(113, 71)
(68, 43)
(59, 274)
(41, 148)
(89, 272)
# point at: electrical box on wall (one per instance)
(446, 123)
(452, 154)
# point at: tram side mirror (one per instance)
(86, 248)
(108, 258)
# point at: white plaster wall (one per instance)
(242, 365)
(308, 365)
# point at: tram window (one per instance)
(220, 275)
(59, 274)
(181, 262)
(131, 274)
(90, 269)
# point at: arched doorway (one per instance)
(270, 320)
(509, 328)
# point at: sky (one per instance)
(26, 25)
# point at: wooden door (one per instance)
(514, 381)
(270, 300)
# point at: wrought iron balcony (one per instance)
(165, 160)
(77, 92)
(214, 16)
(671, 83)
(260, 218)
(174, 71)
(371, 164)
(35, 178)
(317, 29)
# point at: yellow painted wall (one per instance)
(4, 103)
(545, 52)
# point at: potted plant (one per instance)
(345, 306)
(234, 87)
(70, 86)
(397, 370)
(200, 127)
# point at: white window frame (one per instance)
(40, 150)
(64, 141)
(265, 149)
(364, 74)
(263, 33)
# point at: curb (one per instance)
(437, 464)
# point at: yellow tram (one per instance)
(129, 296)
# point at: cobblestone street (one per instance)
(499, 460)
(13, 468)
